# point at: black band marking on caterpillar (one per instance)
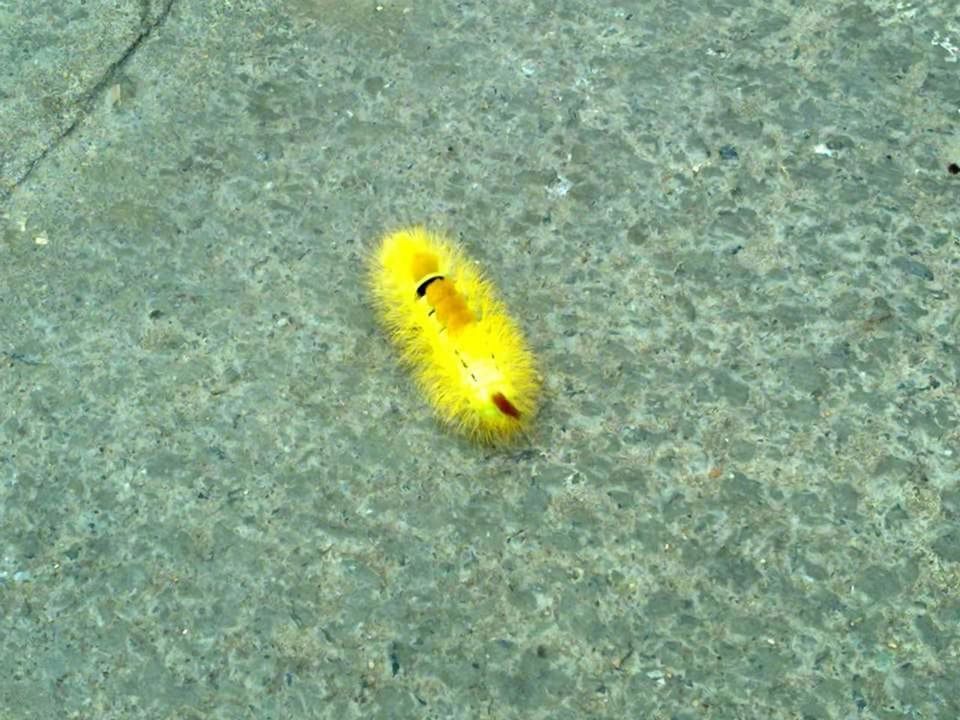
(422, 287)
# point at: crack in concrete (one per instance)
(87, 101)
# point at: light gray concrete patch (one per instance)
(59, 61)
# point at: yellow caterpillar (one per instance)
(467, 354)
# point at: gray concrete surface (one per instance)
(731, 235)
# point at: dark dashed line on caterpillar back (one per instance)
(498, 399)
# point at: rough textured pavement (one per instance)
(729, 229)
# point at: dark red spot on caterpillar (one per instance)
(505, 406)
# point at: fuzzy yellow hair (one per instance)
(467, 354)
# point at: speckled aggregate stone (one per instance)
(729, 230)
